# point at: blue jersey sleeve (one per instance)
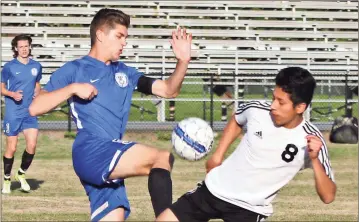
(39, 75)
(62, 77)
(5, 74)
(133, 76)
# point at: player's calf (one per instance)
(160, 182)
(8, 162)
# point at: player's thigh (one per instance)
(29, 122)
(31, 137)
(138, 161)
(237, 217)
(233, 213)
(108, 202)
(12, 127)
(30, 129)
(11, 143)
(193, 206)
(167, 215)
(115, 215)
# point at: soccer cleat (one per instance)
(21, 178)
(6, 187)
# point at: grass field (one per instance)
(58, 195)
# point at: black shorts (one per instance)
(201, 205)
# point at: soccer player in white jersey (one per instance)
(278, 143)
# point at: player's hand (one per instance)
(17, 96)
(314, 144)
(213, 162)
(181, 44)
(85, 91)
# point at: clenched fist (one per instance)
(85, 90)
(314, 144)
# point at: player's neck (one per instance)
(23, 60)
(97, 54)
(294, 123)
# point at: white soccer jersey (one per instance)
(266, 159)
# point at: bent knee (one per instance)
(30, 147)
(166, 159)
(11, 149)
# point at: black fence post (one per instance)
(348, 95)
(172, 108)
(69, 120)
(204, 93)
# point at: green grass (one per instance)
(59, 196)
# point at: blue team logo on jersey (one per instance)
(34, 71)
(121, 79)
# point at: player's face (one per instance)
(282, 110)
(115, 41)
(23, 48)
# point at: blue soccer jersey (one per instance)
(106, 114)
(19, 76)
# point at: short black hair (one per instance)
(109, 18)
(297, 82)
(18, 38)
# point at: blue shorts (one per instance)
(12, 127)
(94, 159)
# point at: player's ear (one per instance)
(300, 108)
(100, 35)
(15, 48)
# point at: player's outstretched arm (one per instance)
(181, 45)
(47, 101)
(230, 133)
(325, 187)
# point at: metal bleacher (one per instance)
(286, 30)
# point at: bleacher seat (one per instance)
(257, 35)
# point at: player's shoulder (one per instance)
(122, 67)
(310, 129)
(69, 68)
(9, 63)
(255, 105)
(35, 62)
(74, 64)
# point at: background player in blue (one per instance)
(99, 91)
(19, 84)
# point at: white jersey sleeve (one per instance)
(323, 156)
(241, 114)
(243, 111)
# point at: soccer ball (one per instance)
(192, 138)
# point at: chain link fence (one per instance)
(214, 98)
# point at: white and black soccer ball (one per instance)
(192, 138)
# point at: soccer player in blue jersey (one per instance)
(20, 79)
(99, 91)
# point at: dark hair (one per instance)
(297, 82)
(109, 18)
(18, 38)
